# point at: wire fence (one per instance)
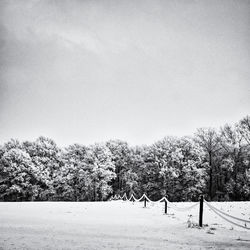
(225, 216)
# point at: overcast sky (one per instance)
(88, 71)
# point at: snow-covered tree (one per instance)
(46, 157)
(17, 176)
(121, 158)
(233, 172)
(73, 180)
(208, 139)
(102, 171)
(213, 163)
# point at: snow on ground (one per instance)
(117, 225)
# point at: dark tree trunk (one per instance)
(210, 175)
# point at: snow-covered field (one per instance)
(117, 225)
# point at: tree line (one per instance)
(213, 162)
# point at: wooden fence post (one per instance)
(201, 211)
(145, 202)
(166, 206)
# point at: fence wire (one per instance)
(172, 206)
(183, 209)
(222, 212)
(218, 212)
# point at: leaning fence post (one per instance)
(201, 211)
(166, 206)
(145, 202)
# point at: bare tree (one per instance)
(209, 140)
